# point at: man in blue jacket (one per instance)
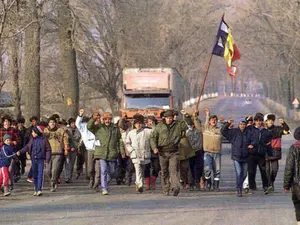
(242, 140)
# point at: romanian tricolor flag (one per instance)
(225, 47)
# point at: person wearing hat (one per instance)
(272, 164)
(108, 145)
(212, 146)
(59, 142)
(291, 173)
(165, 139)
(242, 140)
(40, 154)
(138, 146)
(6, 153)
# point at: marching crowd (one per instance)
(184, 152)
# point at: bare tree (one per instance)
(32, 61)
(68, 56)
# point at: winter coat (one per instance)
(58, 139)
(292, 171)
(212, 138)
(6, 153)
(74, 137)
(240, 141)
(45, 148)
(185, 149)
(166, 138)
(195, 136)
(138, 145)
(87, 136)
(277, 132)
(262, 146)
(107, 140)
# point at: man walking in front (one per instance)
(165, 140)
(107, 146)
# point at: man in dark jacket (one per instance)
(272, 162)
(291, 173)
(258, 153)
(165, 140)
(242, 140)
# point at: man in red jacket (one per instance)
(272, 164)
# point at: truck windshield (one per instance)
(146, 101)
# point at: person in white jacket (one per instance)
(88, 139)
(138, 146)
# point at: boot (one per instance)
(208, 184)
(147, 183)
(6, 191)
(136, 188)
(153, 182)
(216, 185)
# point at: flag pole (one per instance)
(204, 81)
(205, 76)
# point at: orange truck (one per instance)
(149, 91)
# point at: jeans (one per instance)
(272, 169)
(108, 169)
(196, 164)
(29, 175)
(38, 173)
(212, 165)
(241, 173)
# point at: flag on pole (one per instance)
(225, 47)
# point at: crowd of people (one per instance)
(184, 152)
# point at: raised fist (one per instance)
(81, 112)
(206, 110)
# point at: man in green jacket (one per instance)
(165, 140)
(107, 146)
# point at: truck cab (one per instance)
(151, 91)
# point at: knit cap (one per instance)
(5, 137)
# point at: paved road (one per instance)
(75, 204)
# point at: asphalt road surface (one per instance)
(76, 204)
